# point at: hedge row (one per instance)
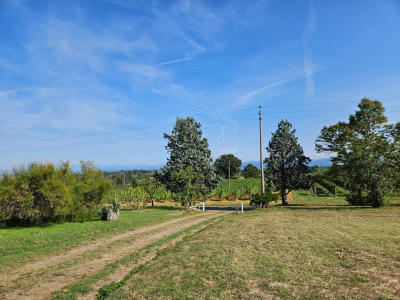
(42, 192)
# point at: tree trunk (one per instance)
(152, 203)
(283, 195)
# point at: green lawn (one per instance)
(316, 248)
(19, 245)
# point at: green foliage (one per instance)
(367, 153)
(118, 181)
(239, 186)
(42, 192)
(139, 174)
(151, 186)
(115, 205)
(191, 184)
(188, 149)
(133, 196)
(286, 164)
(134, 181)
(106, 290)
(227, 162)
(251, 171)
(102, 213)
(263, 200)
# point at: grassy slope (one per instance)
(316, 248)
(21, 244)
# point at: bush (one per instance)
(102, 213)
(373, 198)
(258, 199)
(42, 192)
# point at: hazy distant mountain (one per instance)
(122, 167)
(322, 162)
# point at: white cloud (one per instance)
(247, 97)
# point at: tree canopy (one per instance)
(188, 153)
(286, 164)
(226, 162)
(367, 152)
(251, 171)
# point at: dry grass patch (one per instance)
(282, 252)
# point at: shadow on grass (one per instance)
(323, 207)
(178, 207)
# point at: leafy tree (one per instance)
(151, 186)
(118, 181)
(367, 153)
(251, 171)
(286, 164)
(187, 149)
(226, 162)
(191, 185)
(134, 182)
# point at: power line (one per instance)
(144, 135)
(166, 123)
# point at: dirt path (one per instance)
(39, 279)
(125, 269)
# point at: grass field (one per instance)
(18, 245)
(315, 248)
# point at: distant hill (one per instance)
(139, 174)
(322, 162)
(120, 167)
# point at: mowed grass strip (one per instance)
(309, 252)
(135, 258)
(19, 245)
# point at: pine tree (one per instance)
(188, 151)
(286, 164)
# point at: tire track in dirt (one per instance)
(9, 275)
(39, 279)
(125, 269)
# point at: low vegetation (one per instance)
(43, 192)
(19, 245)
(316, 248)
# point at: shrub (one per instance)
(102, 213)
(258, 199)
(42, 192)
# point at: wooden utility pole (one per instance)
(261, 157)
(229, 171)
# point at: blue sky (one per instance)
(102, 80)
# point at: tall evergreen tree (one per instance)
(286, 164)
(367, 153)
(188, 151)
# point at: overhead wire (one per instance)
(139, 136)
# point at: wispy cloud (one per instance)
(247, 97)
(173, 61)
(308, 32)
